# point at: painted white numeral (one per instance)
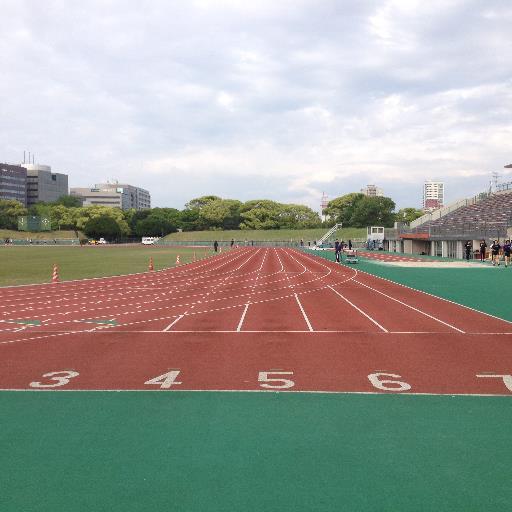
(388, 384)
(507, 379)
(60, 378)
(270, 381)
(166, 380)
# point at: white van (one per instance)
(150, 240)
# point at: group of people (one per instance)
(496, 250)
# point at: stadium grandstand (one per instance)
(487, 216)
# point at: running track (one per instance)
(249, 320)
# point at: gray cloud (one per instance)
(282, 100)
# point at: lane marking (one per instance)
(239, 328)
(305, 391)
(172, 323)
(304, 314)
(411, 307)
(358, 309)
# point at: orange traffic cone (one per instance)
(177, 260)
(151, 267)
(55, 275)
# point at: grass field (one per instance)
(270, 234)
(26, 265)
(42, 235)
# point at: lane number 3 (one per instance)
(57, 379)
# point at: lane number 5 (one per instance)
(60, 378)
(271, 380)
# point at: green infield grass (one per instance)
(27, 265)
(40, 235)
(268, 234)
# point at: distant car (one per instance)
(102, 241)
(327, 246)
(150, 240)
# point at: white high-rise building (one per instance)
(433, 195)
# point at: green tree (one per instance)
(373, 211)
(199, 202)
(69, 201)
(221, 213)
(154, 225)
(188, 220)
(62, 217)
(260, 214)
(85, 213)
(407, 215)
(342, 208)
(295, 216)
(102, 226)
(10, 210)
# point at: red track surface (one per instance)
(232, 322)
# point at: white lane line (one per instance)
(176, 320)
(412, 307)
(358, 309)
(304, 314)
(220, 390)
(239, 328)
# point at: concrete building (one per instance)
(114, 195)
(13, 183)
(372, 191)
(133, 197)
(433, 195)
(43, 184)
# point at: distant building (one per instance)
(114, 195)
(323, 205)
(13, 183)
(43, 184)
(433, 195)
(372, 191)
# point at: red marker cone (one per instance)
(55, 275)
(177, 260)
(151, 267)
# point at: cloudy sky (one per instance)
(272, 98)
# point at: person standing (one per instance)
(483, 248)
(337, 250)
(495, 253)
(232, 243)
(350, 245)
(215, 246)
(469, 248)
(507, 248)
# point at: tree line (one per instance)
(206, 213)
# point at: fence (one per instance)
(47, 242)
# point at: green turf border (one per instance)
(478, 286)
